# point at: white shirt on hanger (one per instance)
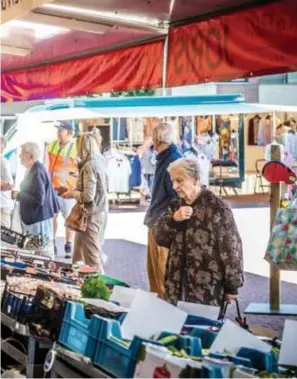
(118, 173)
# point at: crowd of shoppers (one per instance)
(194, 248)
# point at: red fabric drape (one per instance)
(257, 41)
(123, 70)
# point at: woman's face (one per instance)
(183, 184)
(26, 158)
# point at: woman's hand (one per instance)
(6, 187)
(14, 194)
(182, 214)
(68, 194)
(229, 298)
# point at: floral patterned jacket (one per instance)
(205, 258)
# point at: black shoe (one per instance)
(68, 250)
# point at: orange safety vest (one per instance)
(61, 163)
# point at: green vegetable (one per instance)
(95, 288)
(169, 340)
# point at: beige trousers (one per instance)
(156, 265)
(87, 246)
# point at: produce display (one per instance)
(95, 288)
(82, 320)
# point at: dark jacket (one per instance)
(205, 260)
(37, 198)
(162, 192)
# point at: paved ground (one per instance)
(126, 248)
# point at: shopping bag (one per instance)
(77, 221)
(282, 246)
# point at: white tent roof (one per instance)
(152, 107)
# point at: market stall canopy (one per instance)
(147, 107)
(66, 29)
(73, 47)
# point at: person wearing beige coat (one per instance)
(91, 189)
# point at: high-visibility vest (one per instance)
(61, 163)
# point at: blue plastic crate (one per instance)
(119, 357)
(211, 372)
(260, 360)
(78, 333)
(190, 344)
(206, 336)
(192, 321)
(239, 361)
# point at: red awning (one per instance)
(253, 42)
(128, 69)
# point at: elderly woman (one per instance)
(38, 202)
(91, 189)
(205, 262)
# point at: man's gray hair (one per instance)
(189, 165)
(33, 149)
(164, 133)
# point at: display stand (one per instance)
(31, 356)
(274, 308)
(65, 366)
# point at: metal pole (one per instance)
(193, 128)
(214, 123)
(164, 72)
(274, 205)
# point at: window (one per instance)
(292, 78)
(273, 79)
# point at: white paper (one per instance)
(232, 338)
(125, 296)
(288, 352)
(149, 316)
(207, 311)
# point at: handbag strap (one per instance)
(239, 319)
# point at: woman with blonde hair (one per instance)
(91, 190)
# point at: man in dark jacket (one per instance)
(162, 195)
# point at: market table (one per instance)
(33, 353)
(70, 365)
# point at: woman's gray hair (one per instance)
(189, 165)
(89, 144)
(33, 149)
(164, 133)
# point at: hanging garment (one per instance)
(148, 162)
(265, 132)
(186, 130)
(291, 144)
(234, 146)
(135, 176)
(282, 246)
(118, 173)
(253, 130)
